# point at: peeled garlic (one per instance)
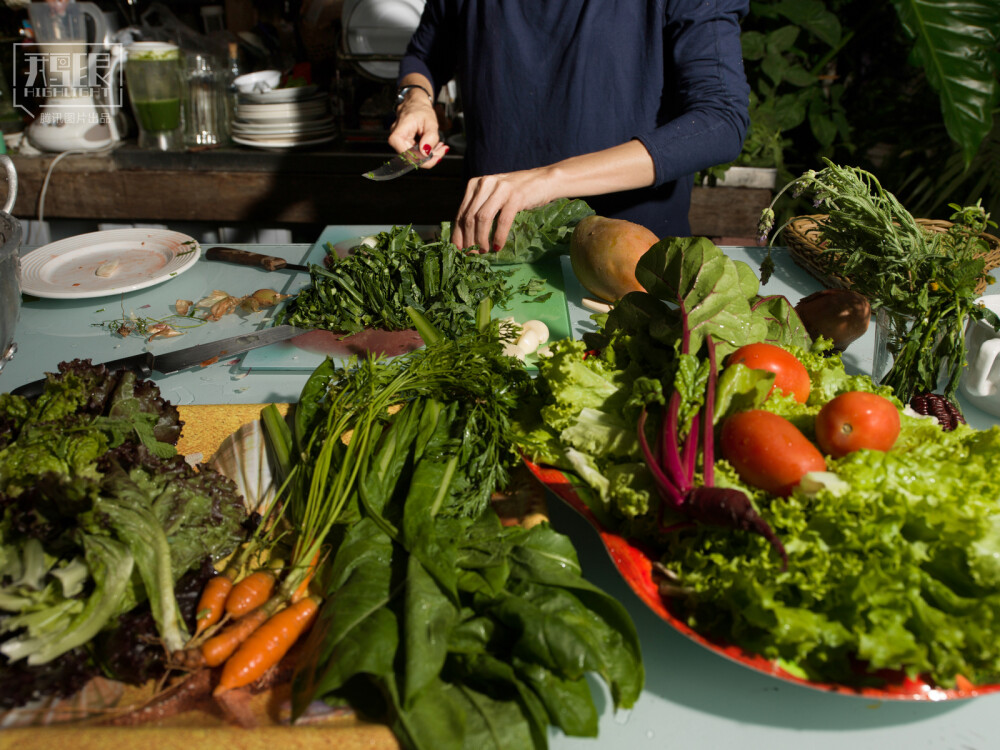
(108, 268)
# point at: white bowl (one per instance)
(258, 81)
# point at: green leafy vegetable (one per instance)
(891, 556)
(91, 489)
(536, 232)
(451, 628)
(373, 287)
(925, 282)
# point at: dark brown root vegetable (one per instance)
(840, 315)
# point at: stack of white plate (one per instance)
(283, 118)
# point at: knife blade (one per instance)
(400, 164)
(247, 258)
(145, 363)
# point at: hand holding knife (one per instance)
(400, 164)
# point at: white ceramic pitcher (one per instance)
(981, 379)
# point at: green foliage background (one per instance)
(907, 89)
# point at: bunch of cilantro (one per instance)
(894, 558)
(98, 514)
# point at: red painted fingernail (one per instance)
(446, 150)
(427, 148)
(496, 248)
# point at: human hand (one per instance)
(491, 202)
(417, 125)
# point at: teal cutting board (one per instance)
(552, 311)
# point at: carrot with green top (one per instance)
(250, 592)
(212, 604)
(303, 588)
(267, 645)
(220, 647)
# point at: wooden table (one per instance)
(297, 187)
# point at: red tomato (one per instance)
(768, 451)
(790, 375)
(856, 420)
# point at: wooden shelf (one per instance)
(295, 187)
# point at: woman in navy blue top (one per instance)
(619, 102)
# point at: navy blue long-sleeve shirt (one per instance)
(543, 80)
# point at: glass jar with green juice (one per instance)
(154, 75)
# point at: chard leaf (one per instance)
(695, 275)
(740, 388)
(781, 322)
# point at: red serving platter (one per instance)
(635, 564)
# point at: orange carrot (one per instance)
(213, 601)
(303, 588)
(249, 593)
(220, 647)
(267, 645)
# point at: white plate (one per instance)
(291, 142)
(381, 27)
(67, 269)
(283, 109)
(281, 128)
(261, 138)
(278, 96)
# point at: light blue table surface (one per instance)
(693, 698)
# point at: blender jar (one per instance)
(154, 77)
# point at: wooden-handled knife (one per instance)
(247, 258)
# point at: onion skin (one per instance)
(840, 315)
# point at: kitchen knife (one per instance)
(145, 363)
(398, 165)
(247, 258)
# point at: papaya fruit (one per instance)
(604, 253)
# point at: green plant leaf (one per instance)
(813, 16)
(799, 76)
(781, 40)
(753, 43)
(955, 41)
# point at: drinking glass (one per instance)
(205, 103)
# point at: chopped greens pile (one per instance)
(372, 287)
(892, 557)
(98, 515)
(454, 630)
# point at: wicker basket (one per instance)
(802, 237)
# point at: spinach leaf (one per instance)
(429, 616)
(356, 631)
